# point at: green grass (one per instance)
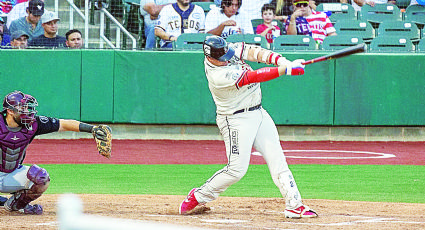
(382, 183)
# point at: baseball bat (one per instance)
(360, 48)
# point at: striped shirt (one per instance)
(316, 25)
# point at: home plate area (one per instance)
(224, 213)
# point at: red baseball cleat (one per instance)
(189, 203)
(301, 212)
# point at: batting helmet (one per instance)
(217, 48)
(24, 104)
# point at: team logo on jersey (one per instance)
(43, 119)
(196, 15)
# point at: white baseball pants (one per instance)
(241, 132)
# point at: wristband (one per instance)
(83, 127)
(169, 38)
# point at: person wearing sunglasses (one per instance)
(306, 21)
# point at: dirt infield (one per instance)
(228, 212)
(231, 213)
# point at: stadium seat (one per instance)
(190, 41)
(340, 11)
(340, 42)
(416, 14)
(206, 6)
(421, 45)
(294, 42)
(249, 39)
(379, 13)
(400, 28)
(391, 44)
(357, 28)
(256, 22)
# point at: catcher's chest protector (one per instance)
(13, 146)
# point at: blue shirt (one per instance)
(42, 41)
(22, 24)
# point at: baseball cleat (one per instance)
(301, 212)
(35, 209)
(29, 209)
(189, 203)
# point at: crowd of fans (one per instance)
(29, 24)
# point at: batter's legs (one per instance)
(268, 144)
(238, 132)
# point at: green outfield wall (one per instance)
(170, 87)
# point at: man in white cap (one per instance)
(49, 39)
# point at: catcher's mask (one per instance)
(217, 48)
(23, 104)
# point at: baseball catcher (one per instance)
(18, 127)
(244, 123)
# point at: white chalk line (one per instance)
(374, 155)
(52, 223)
(240, 223)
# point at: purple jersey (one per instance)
(14, 141)
(302, 25)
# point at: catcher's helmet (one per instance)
(24, 104)
(217, 48)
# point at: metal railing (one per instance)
(86, 19)
(117, 45)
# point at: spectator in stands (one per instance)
(74, 39)
(4, 37)
(18, 11)
(31, 23)
(49, 39)
(357, 4)
(267, 29)
(19, 40)
(180, 17)
(150, 9)
(227, 19)
(306, 21)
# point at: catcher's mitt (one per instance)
(103, 137)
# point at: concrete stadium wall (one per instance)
(146, 87)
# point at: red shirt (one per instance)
(269, 35)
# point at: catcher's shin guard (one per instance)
(20, 199)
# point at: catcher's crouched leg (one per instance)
(20, 200)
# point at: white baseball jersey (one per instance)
(222, 81)
(215, 17)
(174, 21)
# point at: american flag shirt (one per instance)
(317, 25)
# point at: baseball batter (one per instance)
(177, 18)
(243, 123)
(18, 127)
